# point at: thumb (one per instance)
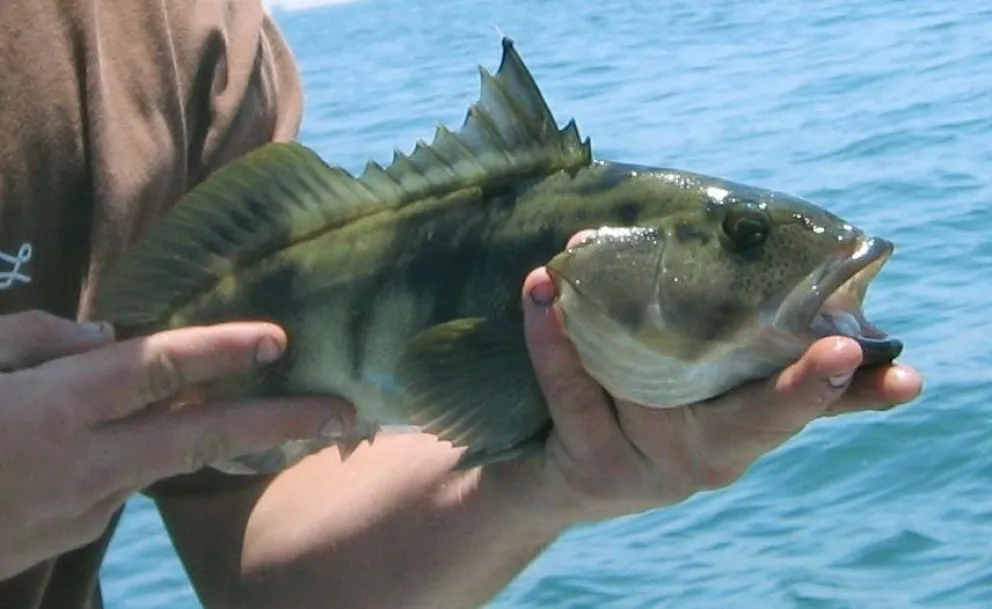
(583, 414)
(186, 440)
(33, 337)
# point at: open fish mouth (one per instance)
(830, 302)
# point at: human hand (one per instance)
(607, 458)
(77, 438)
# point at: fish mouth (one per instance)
(829, 302)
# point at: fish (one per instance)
(400, 288)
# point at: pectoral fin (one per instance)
(470, 382)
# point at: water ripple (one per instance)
(879, 110)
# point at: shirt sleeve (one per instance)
(112, 110)
(174, 90)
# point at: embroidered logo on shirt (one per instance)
(11, 265)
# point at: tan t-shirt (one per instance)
(109, 111)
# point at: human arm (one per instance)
(394, 526)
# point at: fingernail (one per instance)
(331, 429)
(97, 330)
(268, 350)
(543, 295)
(839, 381)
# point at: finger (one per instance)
(579, 407)
(758, 417)
(168, 444)
(32, 337)
(120, 379)
(879, 388)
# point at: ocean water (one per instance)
(881, 111)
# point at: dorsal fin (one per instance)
(284, 193)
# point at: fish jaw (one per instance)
(830, 302)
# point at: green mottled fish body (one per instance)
(400, 289)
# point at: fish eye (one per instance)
(746, 226)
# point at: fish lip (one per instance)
(837, 290)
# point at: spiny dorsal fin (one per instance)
(282, 194)
(508, 133)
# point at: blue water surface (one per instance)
(879, 110)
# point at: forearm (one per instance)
(393, 527)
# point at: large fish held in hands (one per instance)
(400, 289)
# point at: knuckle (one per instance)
(161, 378)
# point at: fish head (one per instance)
(708, 295)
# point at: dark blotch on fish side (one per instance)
(449, 273)
(360, 318)
(265, 299)
(629, 211)
(455, 276)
